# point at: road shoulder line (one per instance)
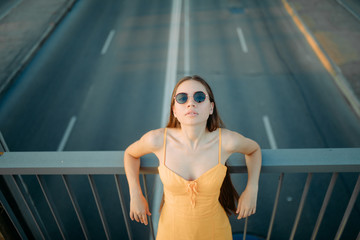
(328, 64)
(171, 71)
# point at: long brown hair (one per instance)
(228, 194)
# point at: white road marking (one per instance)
(170, 79)
(186, 38)
(66, 134)
(269, 132)
(242, 40)
(172, 58)
(107, 42)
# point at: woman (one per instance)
(192, 152)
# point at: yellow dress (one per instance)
(192, 209)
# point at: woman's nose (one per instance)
(191, 102)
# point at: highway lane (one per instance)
(276, 75)
(67, 69)
(116, 97)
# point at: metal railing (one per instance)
(29, 220)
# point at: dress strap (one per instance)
(165, 130)
(219, 145)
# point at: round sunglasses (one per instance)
(182, 98)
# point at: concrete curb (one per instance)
(348, 8)
(10, 9)
(327, 62)
(68, 6)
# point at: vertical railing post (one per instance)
(75, 206)
(245, 228)
(324, 205)
(123, 207)
(99, 206)
(3, 145)
(301, 206)
(12, 217)
(51, 207)
(33, 215)
(348, 209)
(147, 199)
(4, 202)
(275, 205)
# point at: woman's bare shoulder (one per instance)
(230, 135)
(235, 142)
(154, 139)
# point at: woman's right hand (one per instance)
(139, 209)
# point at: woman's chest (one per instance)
(190, 164)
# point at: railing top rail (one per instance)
(112, 162)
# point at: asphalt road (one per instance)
(260, 67)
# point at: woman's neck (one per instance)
(193, 135)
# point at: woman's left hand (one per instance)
(247, 202)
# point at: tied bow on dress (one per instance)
(192, 189)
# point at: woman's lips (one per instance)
(191, 113)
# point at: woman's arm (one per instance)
(235, 142)
(151, 142)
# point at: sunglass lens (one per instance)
(199, 97)
(181, 98)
